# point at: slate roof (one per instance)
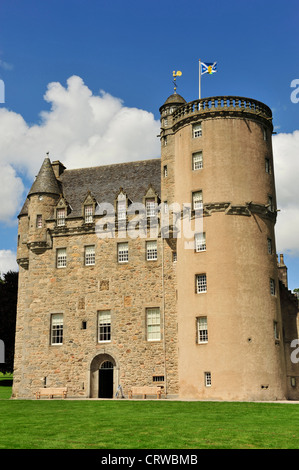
(103, 182)
(46, 181)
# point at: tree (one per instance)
(8, 313)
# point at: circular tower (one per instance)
(216, 157)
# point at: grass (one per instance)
(124, 424)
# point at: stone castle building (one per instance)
(204, 314)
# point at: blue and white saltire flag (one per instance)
(209, 67)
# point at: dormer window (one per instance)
(88, 214)
(60, 215)
(150, 205)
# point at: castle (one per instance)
(199, 306)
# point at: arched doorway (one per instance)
(103, 376)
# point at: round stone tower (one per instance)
(216, 157)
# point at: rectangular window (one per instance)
(61, 258)
(57, 328)
(150, 205)
(197, 161)
(200, 242)
(121, 209)
(123, 252)
(267, 165)
(276, 331)
(104, 326)
(165, 207)
(270, 251)
(201, 283)
(272, 287)
(39, 221)
(196, 130)
(60, 217)
(88, 214)
(153, 324)
(202, 330)
(90, 255)
(208, 379)
(174, 256)
(151, 251)
(165, 171)
(197, 200)
(270, 204)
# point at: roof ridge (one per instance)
(113, 164)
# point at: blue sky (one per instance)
(127, 50)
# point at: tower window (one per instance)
(197, 161)
(200, 283)
(276, 330)
(272, 287)
(61, 258)
(57, 328)
(89, 255)
(104, 326)
(197, 200)
(153, 324)
(208, 379)
(196, 130)
(202, 330)
(123, 252)
(165, 171)
(270, 204)
(270, 251)
(39, 221)
(267, 165)
(200, 242)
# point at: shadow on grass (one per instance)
(6, 383)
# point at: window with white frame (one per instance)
(39, 221)
(151, 250)
(61, 258)
(88, 214)
(150, 205)
(202, 330)
(196, 130)
(90, 255)
(201, 283)
(153, 324)
(272, 287)
(104, 326)
(197, 200)
(57, 328)
(197, 161)
(200, 242)
(123, 252)
(121, 209)
(60, 216)
(208, 379)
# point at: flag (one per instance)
(209, 67)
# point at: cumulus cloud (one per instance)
(286, 165)
(80, 129)
(7, 262)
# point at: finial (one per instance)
(176, 74)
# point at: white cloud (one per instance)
(286, 165)
(7, 262)
(81, 129)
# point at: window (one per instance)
(197, 161)
(104, 326)
(123, 252)
(208, 379)
(265, 133)
(276, 330)
(153, 324)
(272, 287)
(174, 256)
(165, 140)
(202, 330)
(197, 200)
(60, 214)
(151, 251)
(90, 255)
(201, 283)
(196, 130)
(61, 258)
(121, 209)
(270, 203)
(267, 165)
(88, 214)
(57, 328)
(269, 241)
(39, 221)
(165, 171)
(150, 205)
(200, 242)
(165, 121)
(158, 378)
(165, 207)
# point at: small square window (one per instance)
(123, 252)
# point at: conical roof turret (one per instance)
(174, 99)
(46, 181)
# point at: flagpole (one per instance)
(199, 86)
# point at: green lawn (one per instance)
(151, 424)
